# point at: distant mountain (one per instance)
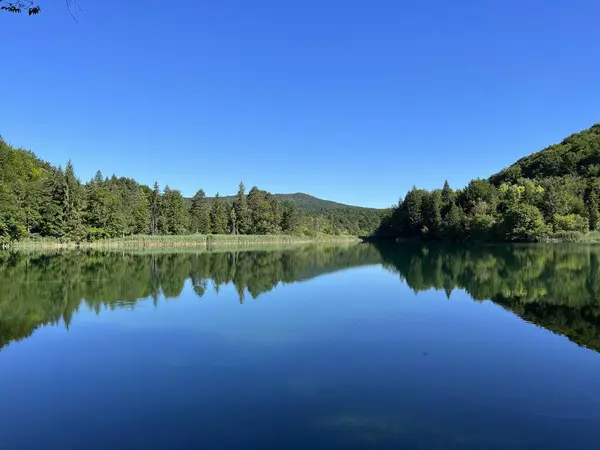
(309, 203)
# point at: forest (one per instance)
(38, 200)
(556, 287)
(551, 195)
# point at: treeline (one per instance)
(39, 200)
(553, 194)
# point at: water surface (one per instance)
(353, 347)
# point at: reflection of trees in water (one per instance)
(557, 287)
(554, 286)
(44, 289)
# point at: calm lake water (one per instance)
(354, 347)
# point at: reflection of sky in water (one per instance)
(351, 358)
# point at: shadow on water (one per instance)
(555, 286)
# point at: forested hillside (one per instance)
(40, 200)
(306, 202)
(553, 194)
(356, 220)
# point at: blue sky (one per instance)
(354, 101)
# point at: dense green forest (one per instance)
(550, 195)
(556, 287)
(39, 200)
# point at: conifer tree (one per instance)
(218, 216)
(54, 205)
(447, 198)
(73, 206)
(174, 214)
(155, 209)
(200, 214)
(290, 220)
(242, 213)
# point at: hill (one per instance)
(308, 203)
(328, 216)
(577, 156)
(550, 195)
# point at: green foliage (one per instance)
(38, 201)
(522, 223)
(73, 207)
(263, 212)
(593, 213)
(174, 217)
(240, 212)
(455, 223)
(432, 213)
(570, 222)
(476, 194)
(219, 216)
(290, 218)
(155, 209)
(116, 207)
(200, 214)
(556, 190)
(448, 198)
(329, 217)
(577, 155)
(54, 205)
(482, 226)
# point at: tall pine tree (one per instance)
(242, 213)
(218, 216)
(174, 214)
(73, 213)
(54, 205)
(290, 219)
(260, 211)
(200, 214)
(155, 209)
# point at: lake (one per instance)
(337, 347)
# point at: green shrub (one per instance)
(570, 222)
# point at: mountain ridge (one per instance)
(308, 203)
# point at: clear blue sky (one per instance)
(349, 100)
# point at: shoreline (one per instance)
(179, 241)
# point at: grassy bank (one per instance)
(573, 237)
(592, 237)
(195, 240)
